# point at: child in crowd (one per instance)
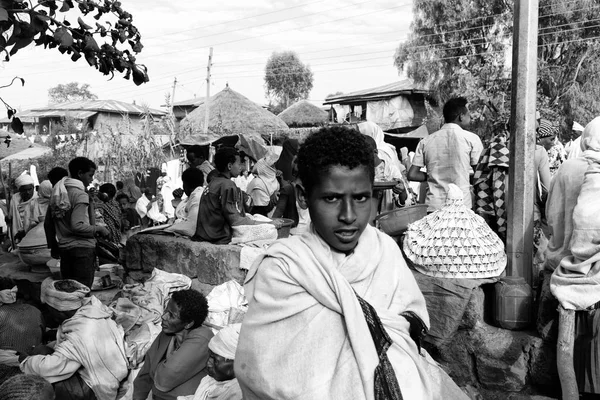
(220, 384)
(332, 309)
(71, 222)
(222, 204)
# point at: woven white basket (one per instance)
(454, 242)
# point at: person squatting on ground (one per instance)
(71, 230)
(176, 362)
(88, 361)
(335, 313)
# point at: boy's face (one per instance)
(87, 177)
(236, 167)
(123, 203)
(340, 206)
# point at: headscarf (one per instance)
(22, 180)
(577, 127)
(131, 190)
(386, 151)
(45, 192)
(53, 295)
(224, 343)
(8, 296)
(284, 163)
(546, 129)
(576, 281)
(266, 173)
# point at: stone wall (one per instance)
(210, 264)
(496, 363)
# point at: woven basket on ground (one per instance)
(454, 242)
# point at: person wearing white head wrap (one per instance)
(220, 384)
(574, 218)
(23, 214)
(574, 148)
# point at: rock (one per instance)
(501, 357)
(211, 264)
(542, 365)
(474, 311)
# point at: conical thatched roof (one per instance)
(303, 114)
(232, 113)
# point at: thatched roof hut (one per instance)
(231, 113)
(303, 114)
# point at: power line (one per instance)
(238, 19)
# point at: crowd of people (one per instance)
(336, 270)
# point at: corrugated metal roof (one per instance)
(29, 116)
(389, 90)
(195, 102)
(108, 106)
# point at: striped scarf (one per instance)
(386, 384)
(111, 213)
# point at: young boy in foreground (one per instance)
(319, 302)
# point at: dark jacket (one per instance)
(180, 374)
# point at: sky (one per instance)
(349, 46)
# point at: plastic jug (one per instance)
(513, 303)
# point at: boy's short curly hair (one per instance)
(224, 156)
(329, 147)
(192, 306)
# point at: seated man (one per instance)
(149, 208)
(331, 310)
(23, 214)
(88, 359)
(222, 205)
(187, 210)
(21, 325)
(176, 362)
(220, 384)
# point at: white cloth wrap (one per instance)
(24, 179)
(63, 301)
(225, 342)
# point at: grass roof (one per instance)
(303, 114)
(232, 113)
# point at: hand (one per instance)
(399, 188)
(8, 219)
(178, 193)
(102, 231)
(19, 235)
(277, 222)
(41, 349)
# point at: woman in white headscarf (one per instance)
(386, 151)
(264, 188)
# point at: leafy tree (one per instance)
(333, 94)
(63, 93)
(287, 79)
(471, 57)
(50, 23)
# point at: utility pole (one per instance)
(173, 96)
(519, 241)
(207, 100)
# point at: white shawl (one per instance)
(305, 335)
